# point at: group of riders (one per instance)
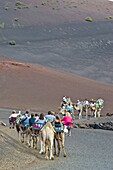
(51, 127)
(61, 121)
(92, 106)
(36, 122)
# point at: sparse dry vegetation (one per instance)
(109, 17)
(16, 19)
(19, 3)
(6, 8)
(12, 42)
(2, 24)
(89, 19)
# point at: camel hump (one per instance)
(48, 125)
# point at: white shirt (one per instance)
(14, 115)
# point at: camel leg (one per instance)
(19, 136)
(13, 125)
(33, 138)
(58, 145)
(98, 113)
(86, 113)
(95, 113)
(35, 142)
(22, 138)
(46, 147)
(26, 138)
(51, 146)
(91, 112)
(28, 135)
(10, 125)
(80, 115)
(42, 150)
(63, 138)
(54, 143)
(41, 146)
(30, 139)
(72, 114)
(86, 116)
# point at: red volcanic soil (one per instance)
(36, 87)
(27, 86)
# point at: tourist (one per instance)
(41, 121)
(32, 120)
(36, 117)
(50, 117)
(67, 121)
(58, 122)
(12, 118)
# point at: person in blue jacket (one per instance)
(32, 120)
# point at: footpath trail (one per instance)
(86, 149)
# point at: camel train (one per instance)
(51, 129)
(89, 107)
(46, 133)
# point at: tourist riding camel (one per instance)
(24, 119)
(58, 124)
(66, 105)
(41, 121)
(12, 118)
(50, 117)
(36, 117)
(59, 137)
(67, 121)
(32, 120)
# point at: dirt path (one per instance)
(86, 149)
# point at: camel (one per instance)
(47, 136)
(95, 110)
(81, 108)
(35, 129)
(63, 109)
(24, 133)
(66, 105)
(30, 134)
(96, 107)
(60, 139)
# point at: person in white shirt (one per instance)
(12, 118)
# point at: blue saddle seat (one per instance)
(59, 129)
(37, 126)
(24, 121)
